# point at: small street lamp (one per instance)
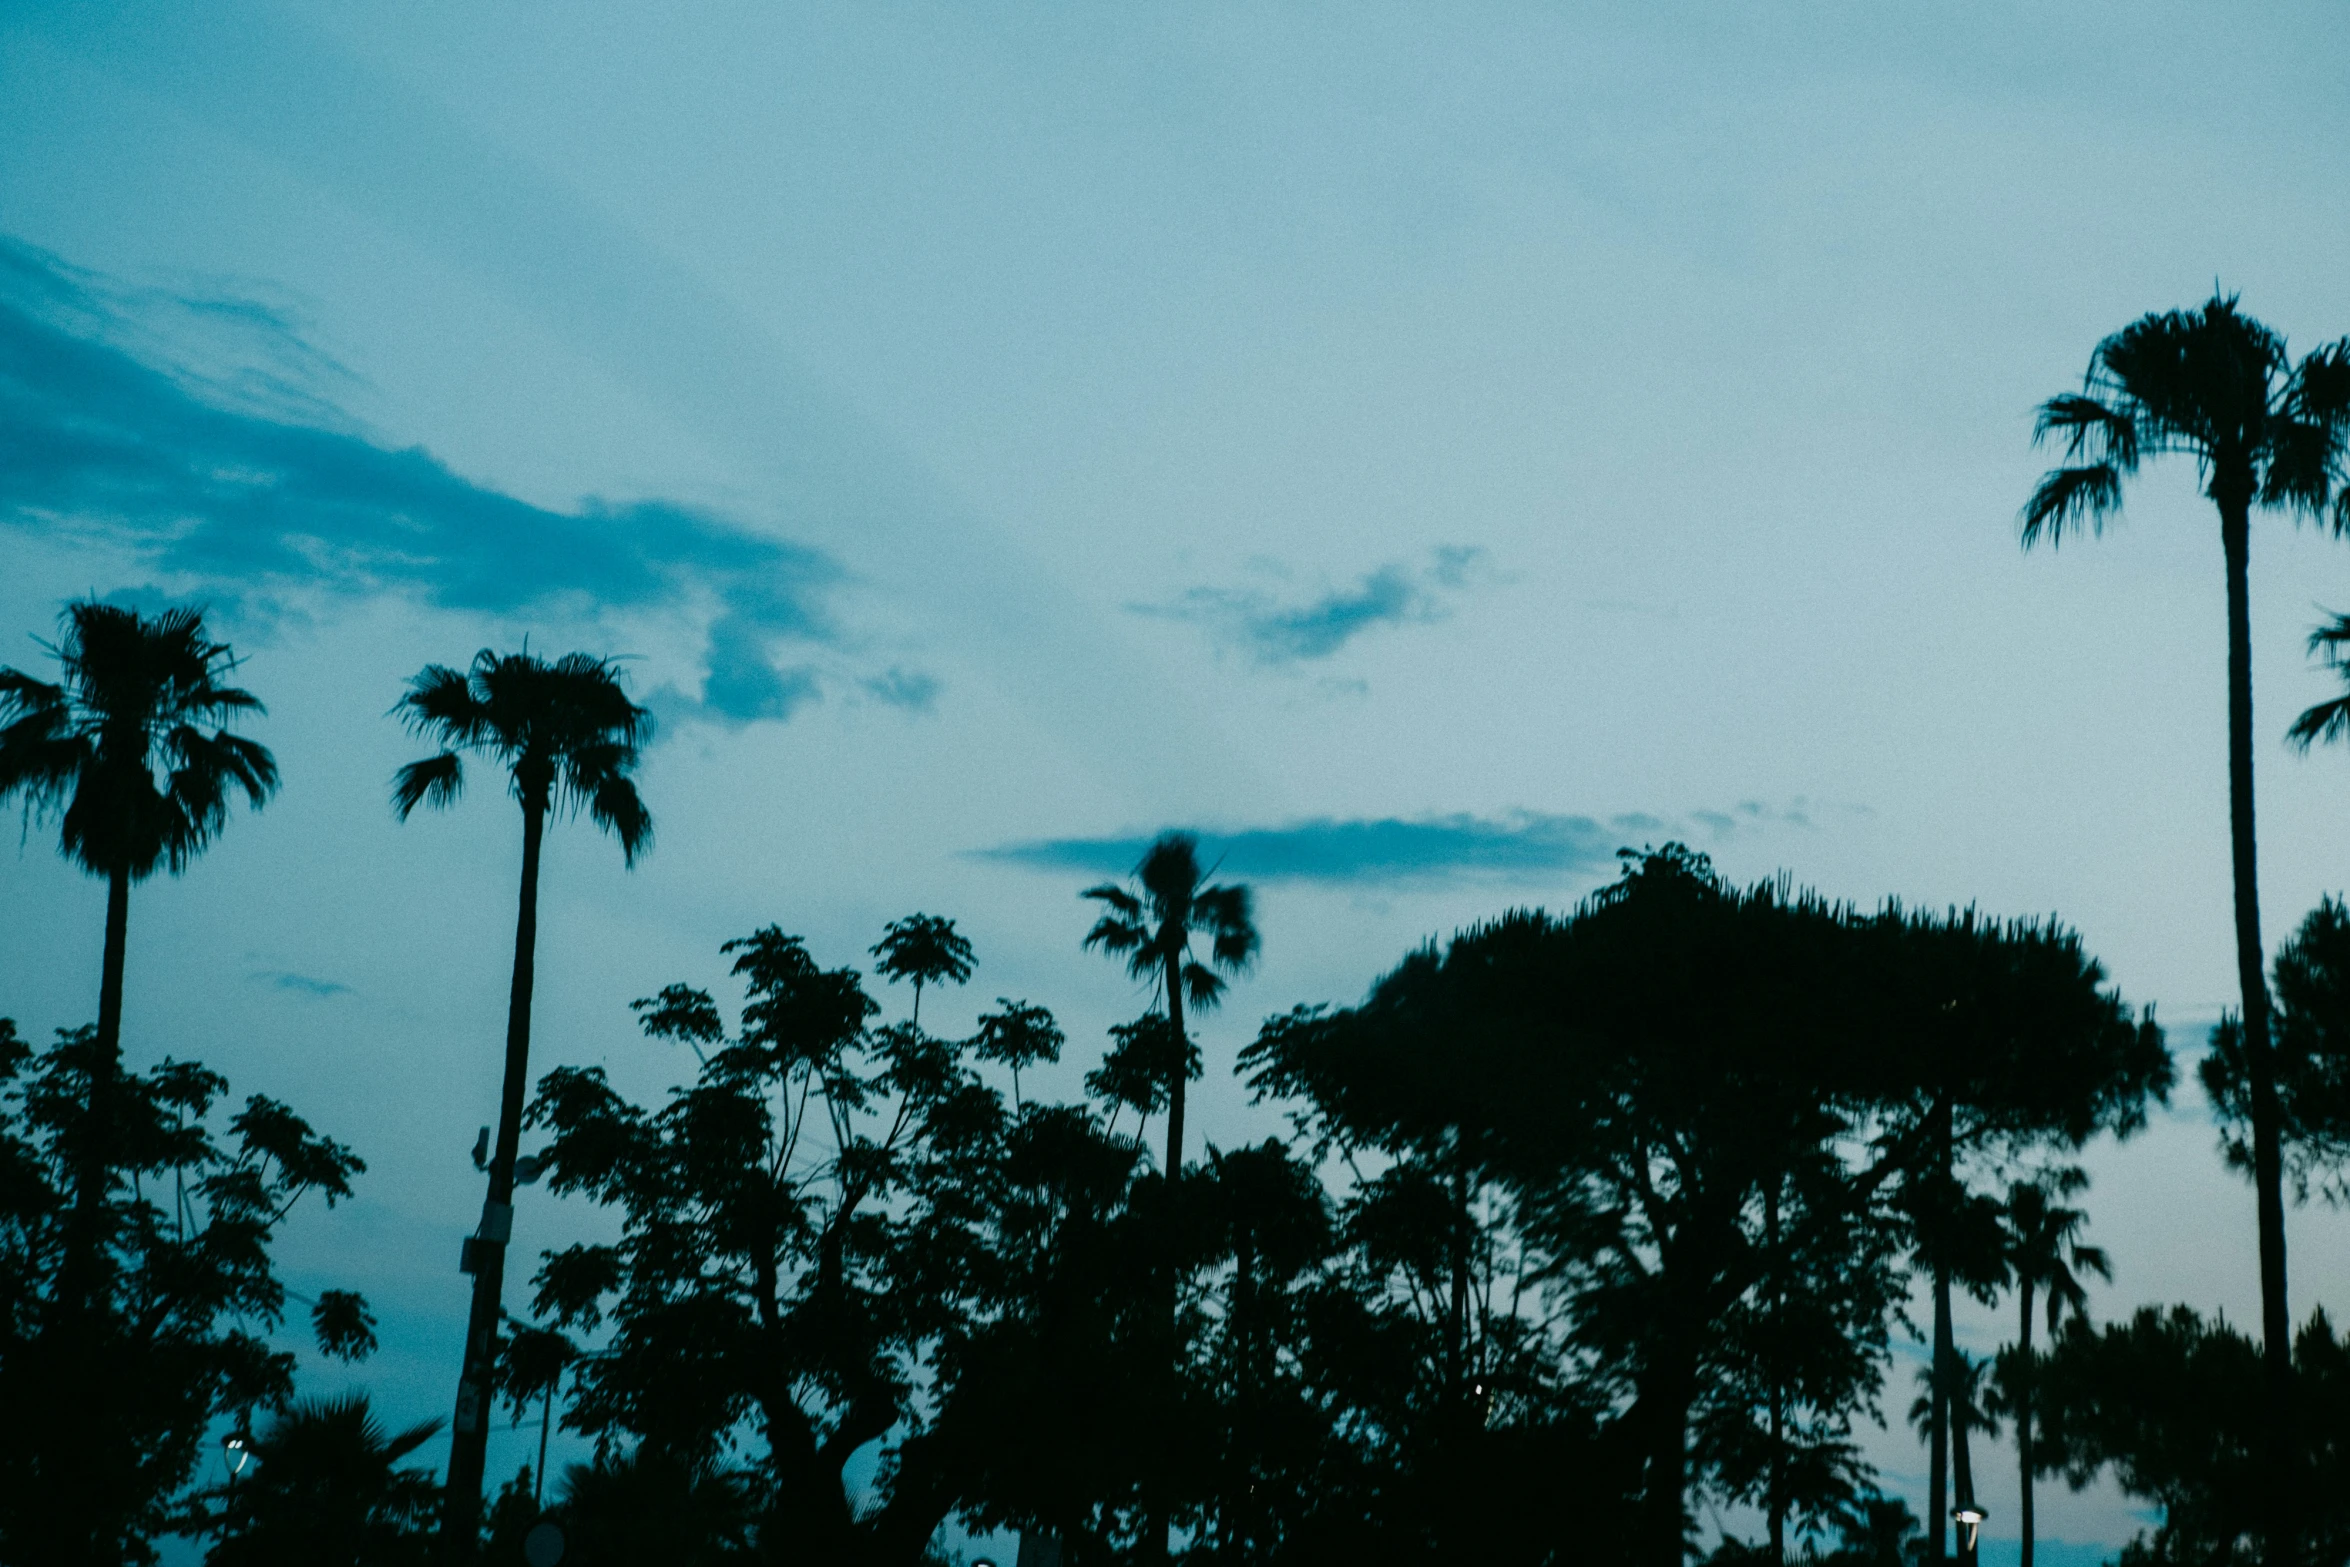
(1969, 1518)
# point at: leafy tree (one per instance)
(652, 1506)
(2044, 1252)
(2311, 1053)
(119, 750)
(925, 949)
(567, 736)
(2218, 386)
(327, 1486)
(112, 1380)
(2176, 1407)
(1648, 1068)
(801, 1230)
(1154, 930)
(1017, 1035)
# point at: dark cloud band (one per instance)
(245, 487)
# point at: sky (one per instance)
(1423, 448)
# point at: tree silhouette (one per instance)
(119, 749)
(2043, 1253)
(2216, 385)
(2311, 1051)
(1154, 932)
(567, 736)
(327, 1486)
(925, 949)
(110, 1382)
(1015, 1035)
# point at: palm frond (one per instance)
(616, 807)
(2071, 498)
(2091, 428)
(2326, 721)
(1225, 913)
(442, 703)
(22, 697)
(1202, 986)
(434, 781)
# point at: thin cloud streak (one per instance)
(1273, 634)
(1516, 846)
(243, 484)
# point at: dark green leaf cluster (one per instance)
(136, 1290)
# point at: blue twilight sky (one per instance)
(1425, 447)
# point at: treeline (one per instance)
(1585, 1221)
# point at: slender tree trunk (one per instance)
(2023, 1423)
(1668, 1462)
(1156, 1547)
(118, 924)
(1776, 1498)
(469, 1441)
(2276, 1326)
(1963, 1452)
(1938, 1482)
(79, 1272)
(1938, 1396)
(1175, 1086)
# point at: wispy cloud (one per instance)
(299, 984)
(202, 434)
(1516, 846)
(1273, 632)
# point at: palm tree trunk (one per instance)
(2251, 974)
(118, 922)
(1938, 1384)
(1175, 1087)
(1938, 1481)
(2023, 1423)
(78, 1275)
(1963, 1456)
(469, 1443)
(1776, 1499)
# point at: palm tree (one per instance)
(568, 737)
(1154, 933)
(2216, 385)
(925, 949)
(327, 1488)
(2043, 1253)
(1954, 1393)
(119, 749)
(128, 750)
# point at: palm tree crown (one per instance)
(567, 733)
(127, 748)
(2044, 1251)
(2213, 384)
(1154, 932)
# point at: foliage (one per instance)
(119, 747)
(564, 730)
(2174, 1406)
(326, 1486)
(163, 1330)
(2311, 1052)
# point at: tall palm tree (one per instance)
(568, 738)
(2216, 385)
(1154, 932)
(2043, 1253)
(129, 751)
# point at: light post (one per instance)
(1969, 1519)
(236, 1451)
